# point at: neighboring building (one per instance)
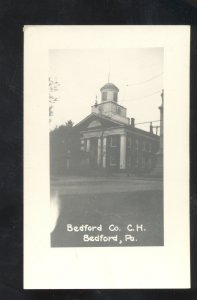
(110, 140)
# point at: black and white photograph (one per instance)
(106, 147)
(106, 157)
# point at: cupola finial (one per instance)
(109, 72)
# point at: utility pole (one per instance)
(158, 170)
(161, 123)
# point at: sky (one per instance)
(138, 73)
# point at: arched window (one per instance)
(115, 97)
(104, 96)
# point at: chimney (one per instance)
(132, 122)
(151, 127)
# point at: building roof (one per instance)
(108, 123)
(110, 86)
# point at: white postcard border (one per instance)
(106, 268)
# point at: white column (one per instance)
(99, 152)
(88, 145)
(87, 151)
(104, 151)
(123, 151)
(82, 144)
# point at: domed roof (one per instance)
(110, 86)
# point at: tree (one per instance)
(64, 145)
(53, 98)
(69, 123)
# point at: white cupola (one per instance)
(109, 92)
(109, 106)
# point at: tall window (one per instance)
(143, 162)
(144, 146)
(129, 161)
(137, 145)
(150, 147)
(137, 153)
(129, 141)
(149, 163)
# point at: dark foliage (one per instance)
(64, 149)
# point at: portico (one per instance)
(107, 148)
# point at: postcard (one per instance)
(106, 157)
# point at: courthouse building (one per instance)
(110, 140)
